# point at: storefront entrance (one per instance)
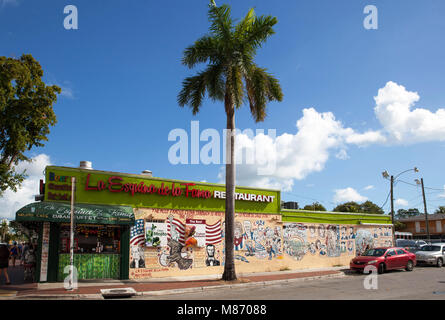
(97, 251)
(101, 240)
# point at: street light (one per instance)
(385, 175)
(424, 205)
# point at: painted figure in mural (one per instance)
(250, 247)
(312, 231)
(351, 247)
(363, 239)
(352, 235)
(211, 261)
(332, 244)
(321, 231)
(137, 257)
(238, 236)
(344, 235)
(248, 234)
(255, 235)
(312, 248)
(270, 250)
(318, 245)
(176, 256)
(323, 250)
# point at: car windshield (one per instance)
(430, 248)
(374, 252)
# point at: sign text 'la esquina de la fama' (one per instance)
(114, 184)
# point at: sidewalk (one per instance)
(163, 286)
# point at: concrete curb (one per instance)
(182, 290)
(234, 286)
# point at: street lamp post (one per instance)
(385, 175)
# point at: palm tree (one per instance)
(230, 76)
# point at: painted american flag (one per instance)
(137, 233)
(177, 225)
(213, 233)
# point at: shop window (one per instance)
(91, 239)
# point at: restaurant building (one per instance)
(135, 226)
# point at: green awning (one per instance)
(83, 213)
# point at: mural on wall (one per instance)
(257, 240)
(295, 240)
(322, 240)
(372, 238)
(182, 240)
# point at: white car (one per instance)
(431, 254)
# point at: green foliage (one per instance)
(25, 114)
(350, 206)
(231, 75)
(365, 207)
(398, 226)
(403, 213)
(441, 209)
(314, 207)
(370, 207)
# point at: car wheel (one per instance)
(409, 266)
(439, 263)
(381, 268)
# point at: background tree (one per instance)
(230, 76)
(25, 114)
(350, 206)
(314, 207)
(370, 207)
(11, 230)
(4, 230)
(398, 226)
(365, 207)
(403, 213)
(441, 209)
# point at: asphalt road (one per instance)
(421, 283)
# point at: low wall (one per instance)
(262, 243)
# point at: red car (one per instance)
(384, 259)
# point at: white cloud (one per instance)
(403, 125)
(320, 135)
(348, 194)
(370, 187)
(295, 155)
(12, 201)
(402, 202)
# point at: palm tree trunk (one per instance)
(229, 265)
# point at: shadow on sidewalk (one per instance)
(16, 276)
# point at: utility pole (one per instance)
(392, 211)
(73, 189)
(426, 213)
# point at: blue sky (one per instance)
(120, 73)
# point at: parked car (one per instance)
(410, 245)
(431, 254)
(384, 259)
